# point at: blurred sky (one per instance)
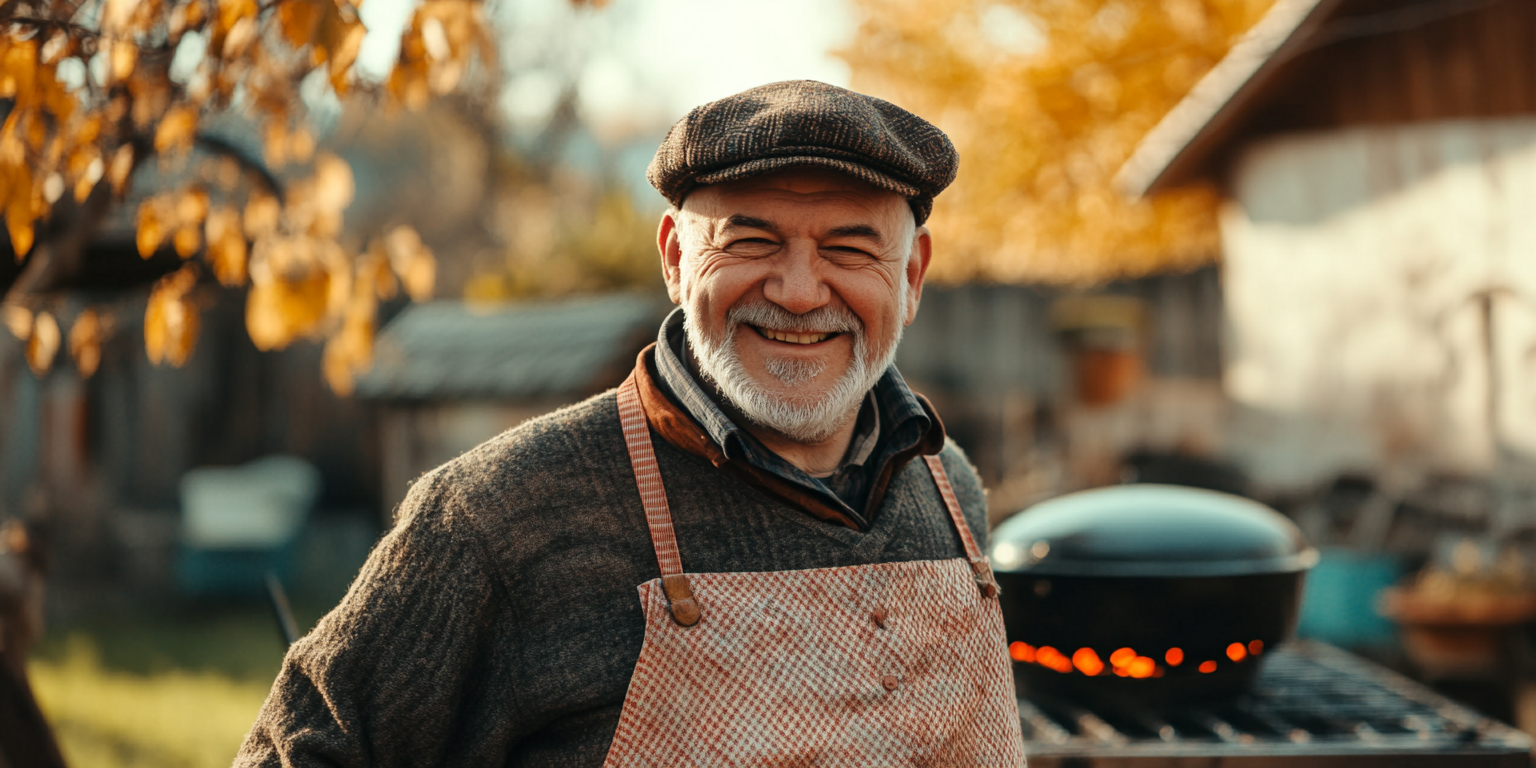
(639, 64)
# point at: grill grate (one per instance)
(1314, 705)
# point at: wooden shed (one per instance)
(449, 375)
(1379, 162)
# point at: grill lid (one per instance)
(1150, 530)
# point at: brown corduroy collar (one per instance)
(673, 423)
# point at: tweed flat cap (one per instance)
(804, 122)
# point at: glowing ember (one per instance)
(1255, 647)
(1237, 652)
(1122, 657)
(1141, 667)
(1124, 662)
(1021, 651)
(1053, 659)
(1087, 662)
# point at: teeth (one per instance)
(794, 338)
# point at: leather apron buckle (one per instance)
(685, 610)
(984, 579)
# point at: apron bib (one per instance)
(890, 664)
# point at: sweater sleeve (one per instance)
(408, 670)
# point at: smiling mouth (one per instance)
(794, 338)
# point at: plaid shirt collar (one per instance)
(898, 422)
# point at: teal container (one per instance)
(1338, 604)
(232, 572)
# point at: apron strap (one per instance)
(653, 497)
(979, 564)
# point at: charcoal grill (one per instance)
(1314, 706)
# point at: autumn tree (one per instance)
(96, 94)
(1045, 99)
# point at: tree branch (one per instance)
(68, 27)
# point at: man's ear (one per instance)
(671, 255)
(917, 268)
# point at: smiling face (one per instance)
(797, 286)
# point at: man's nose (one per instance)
(794, 283)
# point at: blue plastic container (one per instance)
(1338, 603)
(231, 572)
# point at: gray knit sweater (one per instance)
(498, 623)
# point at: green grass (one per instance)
(177, 691)
(105, 718)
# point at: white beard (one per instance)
(804, 419)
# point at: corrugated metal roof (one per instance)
(452, 351)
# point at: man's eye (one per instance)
(846, 250)
(751, 245)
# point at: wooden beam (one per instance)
(1174, 150)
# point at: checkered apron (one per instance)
(890, 664)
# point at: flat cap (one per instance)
(805, 122)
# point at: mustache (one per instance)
(765, 314)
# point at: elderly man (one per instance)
(759, 550)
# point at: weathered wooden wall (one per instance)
(987, 357)
(1397, 62)
(125, 436)
(1381, 288)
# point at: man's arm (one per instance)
(410, 669)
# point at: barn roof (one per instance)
(1321, 64)
(1177, 144)
(454, 351)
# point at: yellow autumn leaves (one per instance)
(171, 319)
(1045, 99)
(85, 341)
(92, 97)
(42, 336)
(302, 282)
(47, 143)
(331, 30)
(437, 49)
(179, 215)
(40, 332)
(300, 287)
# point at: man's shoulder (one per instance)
(958, 465)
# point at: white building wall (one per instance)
(1356, 266)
